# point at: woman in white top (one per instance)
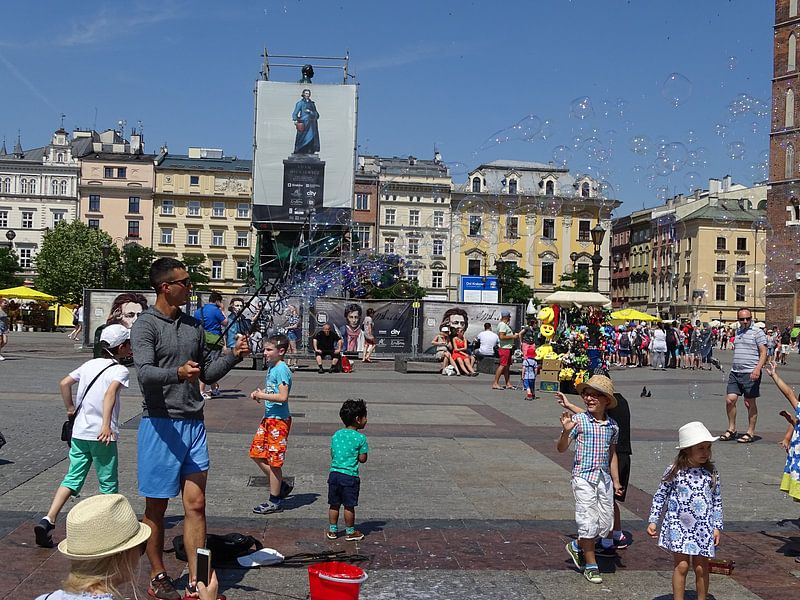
(659, 347)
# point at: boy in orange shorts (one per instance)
(269, 443)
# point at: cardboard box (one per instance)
(548, 375)
(551, 364)
(548, 386)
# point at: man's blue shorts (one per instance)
(168, 451)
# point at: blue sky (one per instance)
(450, 74)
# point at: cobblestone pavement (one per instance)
(464, 493)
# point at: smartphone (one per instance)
(203, 565)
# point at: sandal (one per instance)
(746, 438)
(727, 436)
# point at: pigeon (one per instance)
(645, 393)
(715, 362)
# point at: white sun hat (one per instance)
(692, 434)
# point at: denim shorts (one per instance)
(169, 450)
(291, 335)
(343, 489)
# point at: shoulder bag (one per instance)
(66, 427)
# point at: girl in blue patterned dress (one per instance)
(690, 492)
(791, 471)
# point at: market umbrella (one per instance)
(565, 297)
(25, 293)
(631, 314)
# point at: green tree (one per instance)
(135, 269)
(509, 280)
(401, 289)
(71, 259)
(9, 267)
(198, 271)
(577, 281)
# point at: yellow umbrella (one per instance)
(25, 293)
(631, 314)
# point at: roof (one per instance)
(529, 176)
(226, 163)
(725, 214)
(118, 157)
(413, 167)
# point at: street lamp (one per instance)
(598, 233)
(573, 256)
(106, 252)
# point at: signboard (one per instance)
(479, 289)
(470, 316)
(305, 139)
(112, 306)
(392, 322)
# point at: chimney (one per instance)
(714, 186)
(726, 183)
(194, 152)
(137, 143)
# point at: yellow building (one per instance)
(639, 287)
(537, 216)
(202, 205)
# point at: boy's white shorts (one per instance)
(594, 506)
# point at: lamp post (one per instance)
(598, 233)
(106, 252)
(573, 256)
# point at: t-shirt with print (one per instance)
(346, 445)
(62, 595)
(89, 420)
(503, 328)
(277, 374)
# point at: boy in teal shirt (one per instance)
(269, 443)
(348, 448)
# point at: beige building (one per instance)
(203, 206)
(116, 186)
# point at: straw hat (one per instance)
(101, 526)
(692, 434)
(602, 385)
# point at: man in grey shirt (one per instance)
(171, 359)
(749, 356)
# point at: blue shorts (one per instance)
(343, 489)
(169, 450)
(291, 335)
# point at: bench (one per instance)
(422, 363)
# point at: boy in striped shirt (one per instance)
(595, 475)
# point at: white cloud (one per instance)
(115, 21)
(421, 52)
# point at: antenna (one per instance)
(62, 120)
(94, 125)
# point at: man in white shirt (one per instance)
(488, 339)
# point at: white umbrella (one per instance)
(579, 299)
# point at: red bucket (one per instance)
(335, 581)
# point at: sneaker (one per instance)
(320, 370)
(331, 535)
(592, 575)
(206, 396)
(43, 535)
(356, 536)
(267, 508)
(575, 555)
(286, 489)
(161, 587)
(2, 357)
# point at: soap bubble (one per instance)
(662, 193)
(731, 63)
(550, 206)
(527, 128)
(597, 151)
(721, 130)
(471, 205)
(640, 144)
(736, 150)
(692, 180)
(676, 89)
(662, 166)
(581, 108)
(546, 131)
(638, 171)
(456, 168)
(691, 137)
(605, 189)
(622, 107)
(562, 155)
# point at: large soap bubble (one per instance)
(581, 108)
(676, 89)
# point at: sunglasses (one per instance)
(745, 318)
(186, 282)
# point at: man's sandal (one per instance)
(727, 436)
(746, 438)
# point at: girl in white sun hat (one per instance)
(690, 490)
(105, 541)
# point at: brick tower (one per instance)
(783, 197)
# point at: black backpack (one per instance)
(225, 549)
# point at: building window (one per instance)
(789, 116)
(3, 218)
(362, 201)
(241, 270)
(412, 274)
(413, 218)
(474, 225)
(192, 237)
(719, 292)
(60, 157)
(108, 173)
(438, 247)
(791, 54)
(218, 209)
(550, 188)
(741, 244)
(389, 216)
(721, 265)
(474, 267)
(547, 273)
(688, 265)
(23, 186)
(792, 8)
(166, 235)
(167, 207)
(437, 279)
(584, 235)
(25, 258)
(585, 189)
(413, 246)
(216, 269)
(512, 227)
(54, 188)
(740, 293)
(27, 219)
(194, 180)
(512, 186)
(94, 203)
(438, 218)
(58, 216)
(122, 173)
(7, 185)
(242, 240)
(133, 229)
(788, 168)
(33, 186)
(722, 244)
(360, 234)
(133, 205)
(243, 210)
(388, 245)
(549, 229)
(94, 223)
(193, 208)
(741, 267)
(217, 237)
(476, 184)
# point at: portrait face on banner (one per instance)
(391, 322)
(469, 317)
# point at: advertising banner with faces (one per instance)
(468, 316)
(391, 328)
(103, 307)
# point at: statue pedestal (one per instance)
(303, 185)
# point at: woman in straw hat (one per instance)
(105, 541)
